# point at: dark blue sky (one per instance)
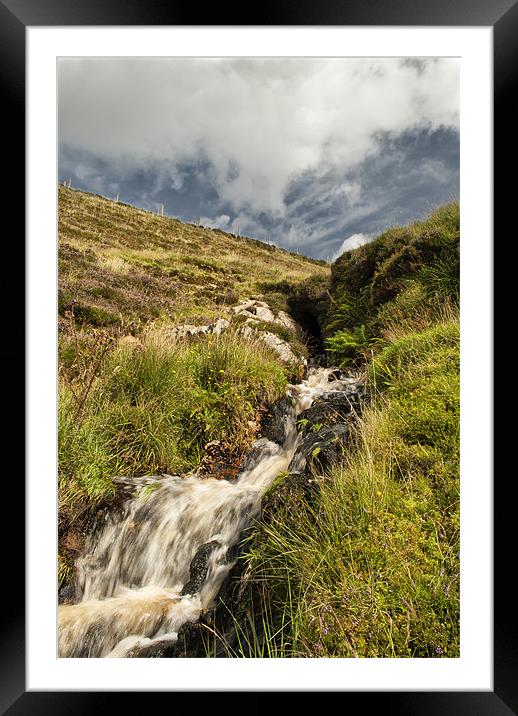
(304, 153)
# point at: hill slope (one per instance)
(119, 264)
(134, 397)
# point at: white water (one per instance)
(135, 569)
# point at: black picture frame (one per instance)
(15, 17)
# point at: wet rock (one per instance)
(261, 449)
(192, 642)
(275, 423)
(199, 567)
(319, 450)
(189, 643)
(331, 408)
(334, 375)
(295, 490)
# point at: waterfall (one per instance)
(134, 581)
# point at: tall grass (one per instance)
(370, 567)
(154, 404)
(400, 281)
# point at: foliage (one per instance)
(345, 347)
(154, 403)
(369, 567)
(368, 281)
(372, 562)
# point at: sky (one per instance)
(317, 155)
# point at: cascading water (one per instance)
(134, 583)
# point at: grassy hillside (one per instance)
(122, 265)
(403, 280)
(370, 567)
(133, 398)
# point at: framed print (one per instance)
(182, 200)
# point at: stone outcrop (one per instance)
(185, 330)
(281, 347)
(256, 313)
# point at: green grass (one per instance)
(148, 406)
(154, 403)
(131, 400)
(370, 567)
(403, 280)
(366, 567)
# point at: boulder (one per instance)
(284, 319)
(263, 313)
(319, 450)
(331, 408)
(219, 326)
(281, 347)
(199, 567)
(185, 330)
(275, 423)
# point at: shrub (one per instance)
(350, 347)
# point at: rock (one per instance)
(331, 408)
(296, 489)
(281, 347)
(264, 314)
(185, 330)
(318, 451)
(275, 424)
(261, 311)
(218, 327)
(189, 643)
(262, 448)
(284, 319)
(199, 567)
(277, 344)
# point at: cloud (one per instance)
(255, 126)
(218, 222)
(352, 242)
(321, 206)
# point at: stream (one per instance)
(134, 582)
